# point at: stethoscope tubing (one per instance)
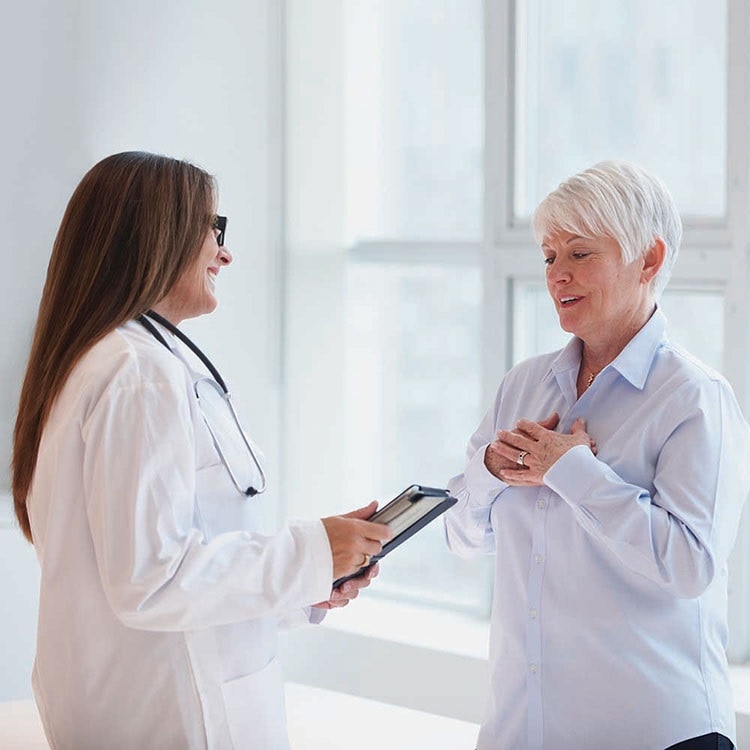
(173, 329)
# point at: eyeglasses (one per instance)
(234, 447)
(219, 225)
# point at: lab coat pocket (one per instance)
(255, 710)
(221, 507)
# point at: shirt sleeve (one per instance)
(679, 533)
(467, 524)
(157, 570)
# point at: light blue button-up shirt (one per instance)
(609, 611)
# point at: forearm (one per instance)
(467, 524)
(235, 576)
(659, 537)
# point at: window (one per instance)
(420, 137)
(595, 79)
(413, 111)
(400, 310)
(412, 398)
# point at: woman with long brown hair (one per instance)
(160, 597)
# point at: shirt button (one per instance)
(533, 613)
(541, 504)
(533, 668)
(538, 558)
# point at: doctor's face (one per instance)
(194, 293)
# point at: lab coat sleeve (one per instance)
(679, 533)
(156, 569)
(467, 524)
(300, 617)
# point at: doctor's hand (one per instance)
(349, 590)
(353, 540)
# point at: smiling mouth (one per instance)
(568, 301)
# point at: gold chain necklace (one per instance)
(590, 380)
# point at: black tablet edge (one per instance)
(407, 533)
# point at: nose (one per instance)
(558, 272)
(224, 256)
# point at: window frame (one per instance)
(713, 253)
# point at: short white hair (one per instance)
(619, 200)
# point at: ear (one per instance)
(653, 260)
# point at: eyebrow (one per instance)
(546, 246)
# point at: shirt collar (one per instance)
(633, 362)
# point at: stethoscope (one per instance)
(218, 384)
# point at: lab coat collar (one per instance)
(169, 337)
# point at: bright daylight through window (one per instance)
(454, 120)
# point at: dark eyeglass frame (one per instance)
(220, 225)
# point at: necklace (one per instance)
(590, 380)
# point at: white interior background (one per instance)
(82, 79)
(368, 316)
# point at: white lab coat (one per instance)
(160, 598)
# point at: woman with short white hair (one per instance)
(607, 479)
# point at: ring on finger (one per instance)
(365, 560)
(521, 457)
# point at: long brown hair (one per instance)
(131, 228)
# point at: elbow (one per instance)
(140, 609)
(692, 577)
(130, 610)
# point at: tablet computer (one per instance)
(408, 512)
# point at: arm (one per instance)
(339, 597)
(342, 595)
(679, 533)
(156, 569)
(467, 524)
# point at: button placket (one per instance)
(533, 620)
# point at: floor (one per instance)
(318, 720)
(324, 720)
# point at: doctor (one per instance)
(160, 596)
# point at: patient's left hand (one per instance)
(349, 590)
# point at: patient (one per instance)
(607, 478)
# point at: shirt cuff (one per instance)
(483, 486)
(573, 474)
(301, 617)
(316, 615)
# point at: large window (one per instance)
(421, 135)
(637, 79)
(413, 119)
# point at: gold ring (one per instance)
(365, 561)
(521, 457)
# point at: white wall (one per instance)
(84, 78)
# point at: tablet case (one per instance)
(412, 494)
